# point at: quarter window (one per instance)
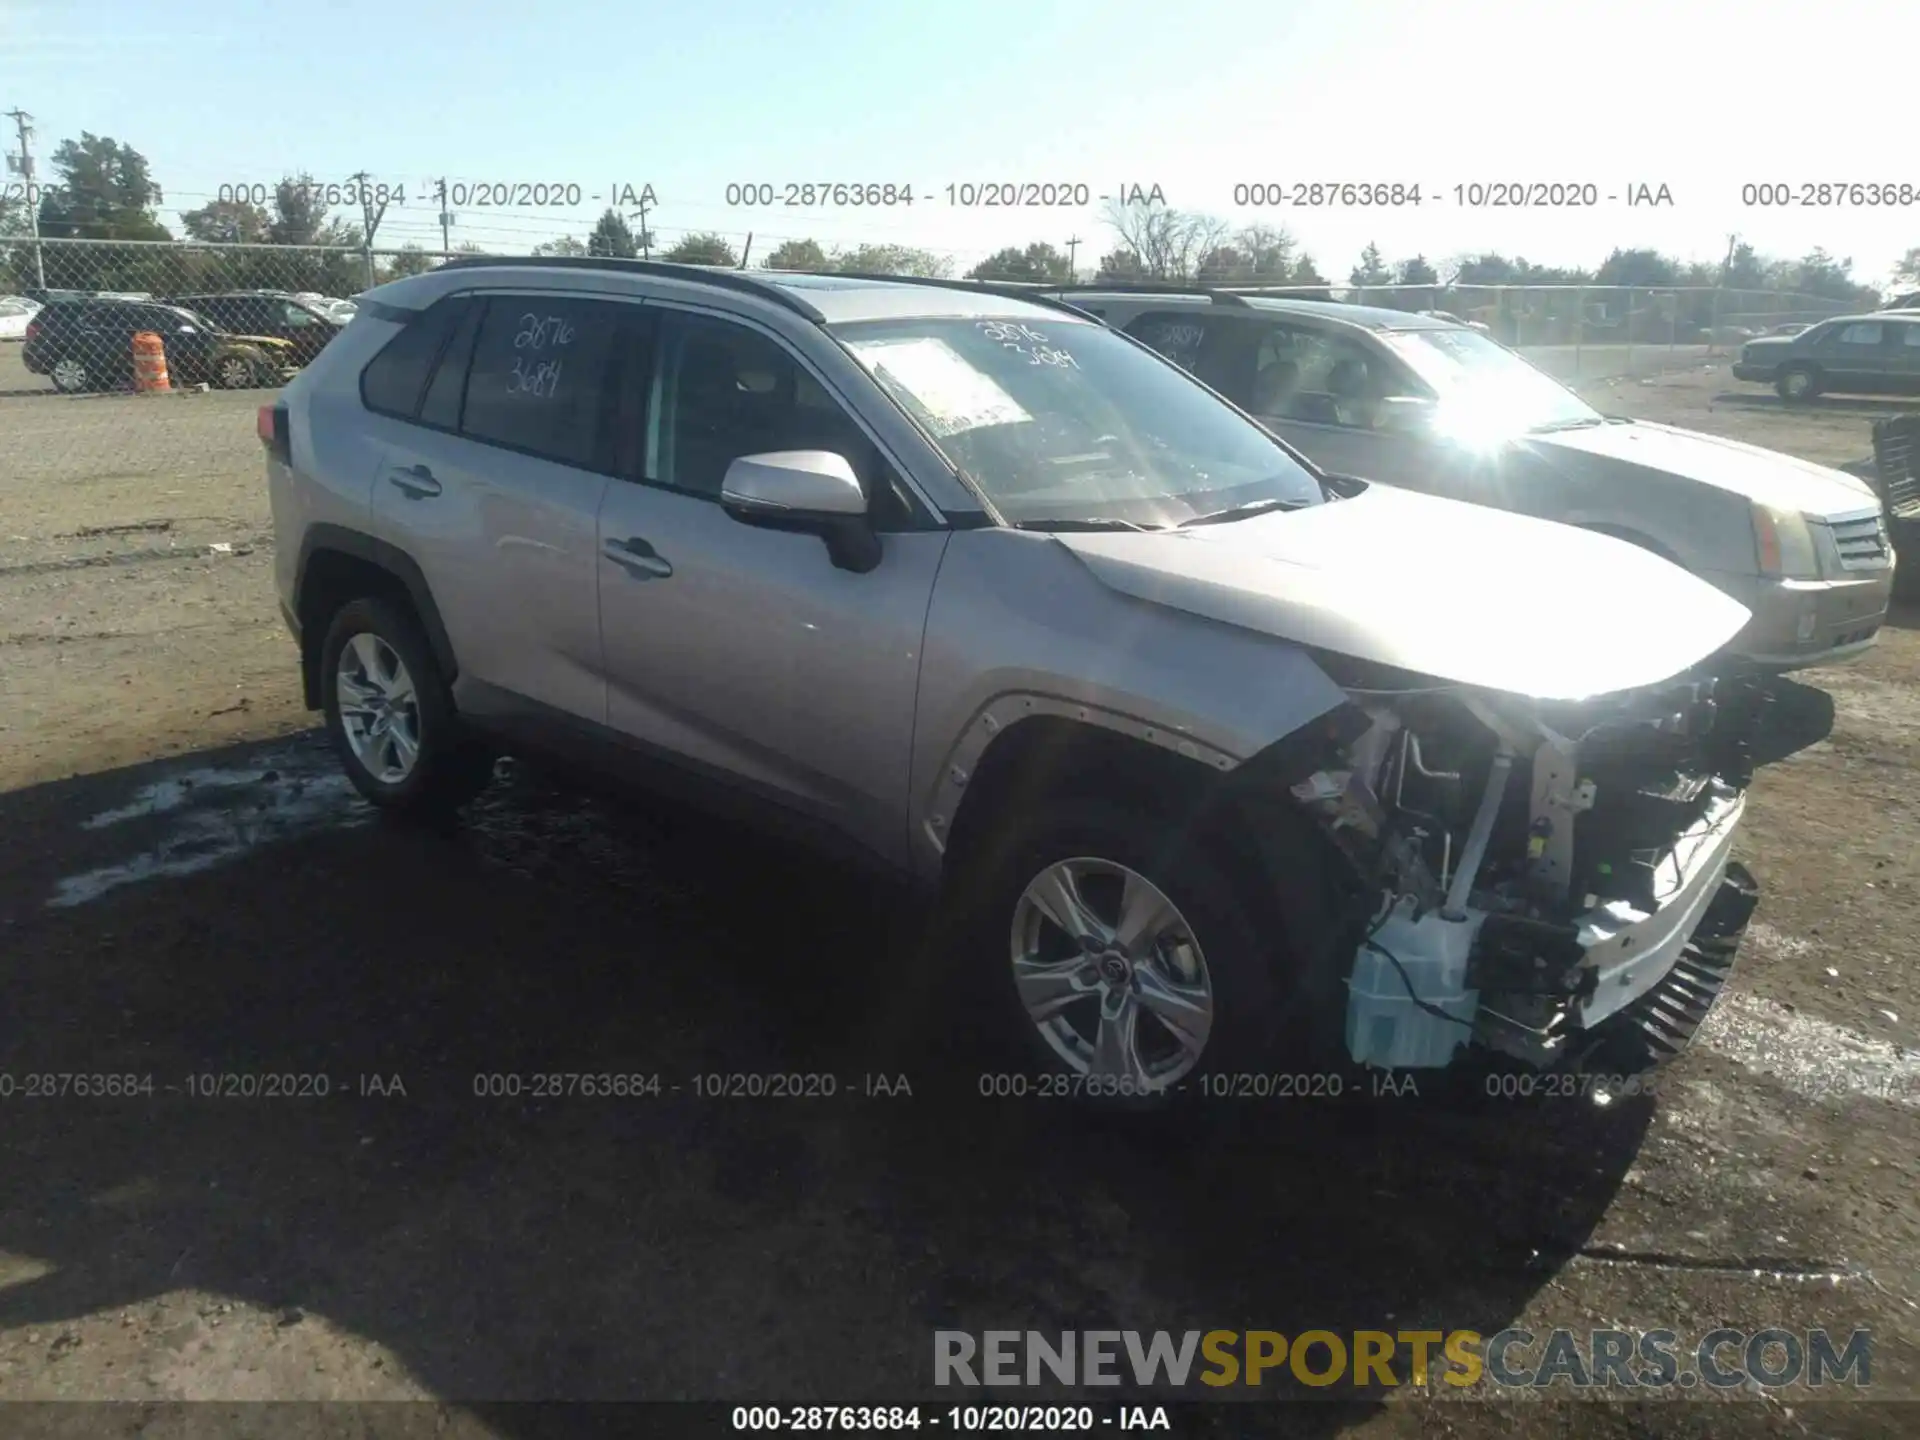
(392, 382)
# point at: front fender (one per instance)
(1020, 628)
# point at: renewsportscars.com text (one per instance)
(1721, 1359)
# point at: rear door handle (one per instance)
(416, 482)
(637, 558)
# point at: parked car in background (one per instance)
(305, 326)
(15, 312)
(88, 345)
(1416, 402)
(1791, 327)
(1215, 767)
(1875, 354)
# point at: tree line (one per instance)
(104, 189)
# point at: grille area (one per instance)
(1896, 456)
(1862, 543)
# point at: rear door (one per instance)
(492, 480)
(103, 339)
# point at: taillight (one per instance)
(33, 328)
(271, 426)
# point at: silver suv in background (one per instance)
(1217, 763)
(1415, 401)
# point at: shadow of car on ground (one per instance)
(255, 921)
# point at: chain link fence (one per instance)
(237, 320)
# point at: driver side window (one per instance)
(1321, 378)
(722, 391)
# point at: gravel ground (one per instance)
(189, 890)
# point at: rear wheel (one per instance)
(1798, 383)
(390, 714)
(70, 376)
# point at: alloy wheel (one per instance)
(69, 375)
(1110, 974)
(379, 710)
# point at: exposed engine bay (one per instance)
(1539, 869)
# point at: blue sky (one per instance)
(1194, 97)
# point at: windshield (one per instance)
(1484, 387)
(1059, 420)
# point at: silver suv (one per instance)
(1420, 402)
(1221, 766)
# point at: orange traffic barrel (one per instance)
(150, 362)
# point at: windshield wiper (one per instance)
(1088, 523)
(1241, 512)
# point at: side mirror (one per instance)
(1407, 414)
(813, 491)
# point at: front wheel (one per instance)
(391, 716)
(1799, 384)
(1128, 958)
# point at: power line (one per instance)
(22, 165)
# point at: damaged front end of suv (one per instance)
(1550, 880)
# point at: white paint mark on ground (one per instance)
(215, 814)
(1814, 1056)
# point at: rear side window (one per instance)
(539, 375)
(393, 380)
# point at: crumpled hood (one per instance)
(1460, 592)
(1783, 481)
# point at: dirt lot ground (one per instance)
(189, 890)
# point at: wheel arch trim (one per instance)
(384, 556)
(1002, 715)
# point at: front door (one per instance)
(741, 652)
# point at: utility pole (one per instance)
(1073, 258)
(745, 251)
(646, 235)
(446, 218)
(22, 165)
(369, 218)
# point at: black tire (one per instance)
(451, 766)
(1798, 384)
(1259, 1016)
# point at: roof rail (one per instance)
(726, 279)
(1218, 297)
(1040, 294)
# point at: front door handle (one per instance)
(638, 558)
(416, 482)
